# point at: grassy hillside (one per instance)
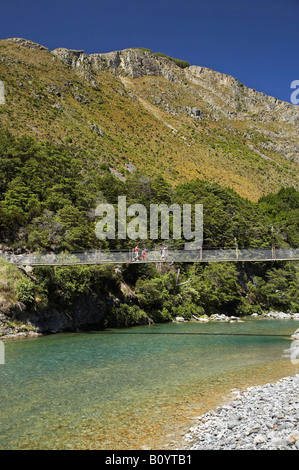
(9, 277)
(148, 122)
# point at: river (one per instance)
(133, 388)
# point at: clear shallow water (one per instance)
(124, 389)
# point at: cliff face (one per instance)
(223, 94)
(136, 109)
(87, 312)
(132, 63)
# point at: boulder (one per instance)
(295, 335)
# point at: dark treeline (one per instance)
(48, 197)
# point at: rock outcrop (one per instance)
(224, 94)
(29, 44)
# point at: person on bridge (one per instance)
(136, 252)
(144, 255)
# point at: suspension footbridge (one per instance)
(202, 255)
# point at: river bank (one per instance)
(55, 322)
(259, 418)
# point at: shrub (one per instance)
(143, 49)
(72, 281)
(25, 290)
(125, 315)
(181, 63)
(161, 316)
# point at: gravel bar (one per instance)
(263, 417)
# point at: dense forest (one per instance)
(48, 197)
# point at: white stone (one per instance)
(259, 439)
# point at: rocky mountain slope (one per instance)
(137, 110)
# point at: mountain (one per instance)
(170, 130)
(139, 110)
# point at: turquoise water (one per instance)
(124, 389)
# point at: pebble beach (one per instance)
(263, 417)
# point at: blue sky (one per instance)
(256, 41)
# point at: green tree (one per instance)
(278, 290)
(218, 288)
(72, 281)
(155, 295)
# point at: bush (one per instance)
(143, 49)
(187, 311)
(126, 315)
(245, 308)
(161, 316)
(156, 294)
(181, 63)
(25, 290)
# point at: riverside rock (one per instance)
(282, 315)
(295, 335)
